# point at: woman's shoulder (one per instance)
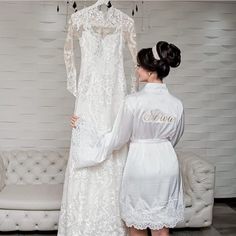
(177, 101)
(131, 100)
(134, 97)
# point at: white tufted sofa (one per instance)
(31, 184)
(198, 184)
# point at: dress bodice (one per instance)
(103, 27)
(101, 83)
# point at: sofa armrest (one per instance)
(198, 177)
(2, 174)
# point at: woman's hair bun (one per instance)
(169, 56)
(169, 53)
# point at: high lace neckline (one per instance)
(106, 15)
(95, 11)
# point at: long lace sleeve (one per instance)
(132, 45)
(69, 58)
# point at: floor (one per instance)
(224, 224)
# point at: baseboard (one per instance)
(225, 200)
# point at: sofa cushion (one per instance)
(34, 167)
(31, 197)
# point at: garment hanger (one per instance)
(109, 4)
(103, 2)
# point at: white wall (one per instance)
(35, 106)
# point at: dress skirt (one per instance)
(151, 193)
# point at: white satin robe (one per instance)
(152, 120)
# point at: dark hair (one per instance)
(169, 57)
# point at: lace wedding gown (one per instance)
(90, 202)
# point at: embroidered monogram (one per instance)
(157, 116)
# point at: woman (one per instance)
(153, 121)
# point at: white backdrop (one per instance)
(35, 106)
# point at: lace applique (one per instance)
(100, 90)
(69, 58)
(90, 203)
(84, 20)
(130, 35)
(159, 215)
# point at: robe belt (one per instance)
(157, 140)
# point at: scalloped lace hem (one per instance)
(152, 225)
(156, 217)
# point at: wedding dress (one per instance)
(90, 202)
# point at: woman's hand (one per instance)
(73, 120)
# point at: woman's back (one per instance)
(151, 193)
(157, 113)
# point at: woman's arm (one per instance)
(122, 129)
(179, 131)
(114, 140)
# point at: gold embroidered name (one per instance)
(157, 116)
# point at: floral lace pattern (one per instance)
(90, 202)
(159, 215)
(116, 23)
